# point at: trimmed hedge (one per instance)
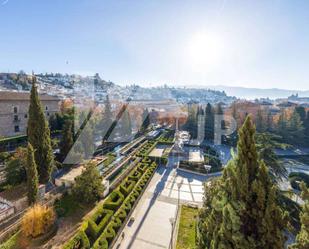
(102, 227)
(79, 241)
(147, 148)
(126, 187)
(120, 216)
(114, 200)
(98, 222)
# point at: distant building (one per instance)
(14, 111)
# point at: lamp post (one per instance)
(207, 168)
(172, 221)
(179, 186)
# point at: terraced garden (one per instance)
(100, 230)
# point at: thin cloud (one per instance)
(4, 2)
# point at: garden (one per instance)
(101, 229)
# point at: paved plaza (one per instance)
(157, 208)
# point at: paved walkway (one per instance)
(156, 209)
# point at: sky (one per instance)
(261, 43)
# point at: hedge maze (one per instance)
(100, 230)
(147, 148)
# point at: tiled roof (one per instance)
(6, 95)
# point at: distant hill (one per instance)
(253, 93)
(64, 85)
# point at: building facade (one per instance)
(14, 111)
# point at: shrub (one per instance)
(79, 241)
(98, 222)
(88, 186)
(109, 233)
(126, 187)
(37, 221)
(135, 175)
(101, 243)
(114, 200)
(121, 213)
(116, 224)
(127, 206)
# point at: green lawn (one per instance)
(187, 228)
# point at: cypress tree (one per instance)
(302, 239)
(301, 112)
(191, 124)
(209, 122)
(295, 131)
(126, 125)
(86, 138)
(243, 212)
(39, 136)
(306, 126)
(67, 138)
(108, 123)
(260, 121)
(32, 176)
(282, 124)
(145, 120)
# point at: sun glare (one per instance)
(205, 51)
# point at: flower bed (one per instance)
(101, 228)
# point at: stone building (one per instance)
(14, 111)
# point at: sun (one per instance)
(205, 51)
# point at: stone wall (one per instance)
(13, 124)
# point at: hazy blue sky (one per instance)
(242, 43)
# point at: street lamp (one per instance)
(207, 168)
(179, 186)
(172, 221)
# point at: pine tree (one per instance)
(88, 186)
(209, 122)
(302, 239)
(39, 136)
(67, 138)
(32, 176)
(243, 211)
(266, 144)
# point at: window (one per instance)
(48, 114)
(15, 117)
(16, 128)
(46, 108)
(26, 116)
(15, 109)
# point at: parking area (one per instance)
(155, 213)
